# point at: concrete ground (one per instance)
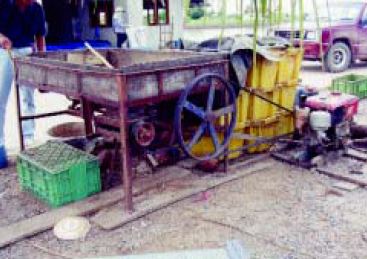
(313, 75)
(282, 212)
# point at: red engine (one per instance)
(341, 106)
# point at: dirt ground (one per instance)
(282, 212)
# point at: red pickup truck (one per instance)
(343, 35)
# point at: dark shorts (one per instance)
(121, 38)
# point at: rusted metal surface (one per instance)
(45, 115)
(19, 115)
(148, 74)
(87, 113)
(125, 149)
(110, 121)
(140, 79)
(109, 135)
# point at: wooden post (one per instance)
(87, 113)
(226, 156)
(125, 149)
(19, 114)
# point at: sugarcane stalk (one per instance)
(255, 28)
(280, 12)
(270, 13)
(318, 26)
(223, 18)
(301, 22)
(292, 2)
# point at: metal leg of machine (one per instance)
(87, 112)
(125, 149)
(19, 114)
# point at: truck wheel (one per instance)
(338, 58)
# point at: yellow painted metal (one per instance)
(260, 109)
(206, 146)
(242, 119)
(286, 124)
(287, 97)
(263, 76)
(264, 128)
(297, 64)
(243, 101)
(289, 66)
(276, 98)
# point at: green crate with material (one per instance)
(351, 84)
(58, 174)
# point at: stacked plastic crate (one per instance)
(351, 84)
(58, 173)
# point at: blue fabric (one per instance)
(6, 79)
(3, 158)
(26, 93)
(301, 91)
(97, 44)
(22, 26)
(5, 7)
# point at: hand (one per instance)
(5, 43)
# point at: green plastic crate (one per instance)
(58, 173)
(351, 84)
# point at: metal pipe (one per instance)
(257, 143)
(19, 113)
(125, 150)
(87, 113)
(43, 115)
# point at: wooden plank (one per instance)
(346, 178)
(239, 165)
(113, 218)
(346, 186)
(31, 226)
(360, 171)
(356, 155)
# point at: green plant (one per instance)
(255, 28)
(196, 13)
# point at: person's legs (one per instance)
(27, 102)
(6, 79)
(121, 38)
(124, 39)
(28, 108)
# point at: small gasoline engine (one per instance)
(323, 122)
